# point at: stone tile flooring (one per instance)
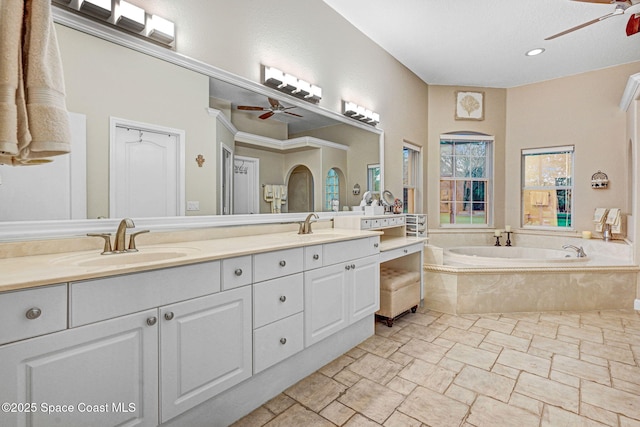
(516, 369)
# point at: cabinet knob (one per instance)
(283, 263)
(347, 267)
(169, 315)
(375, 245)
(238, 272)
(283, 298)
(405, 251)
(316, 257)
(33, 313)
(152, 320)
(283, 341)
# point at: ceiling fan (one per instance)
(275, 108)
(620, 8)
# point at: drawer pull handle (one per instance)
(375, 245)
(348, 267)
(33, 313)
(353, 266)
(283, 298)
(169, 315)
(283, 341)
(283, 263)
(152, 320)
(238, 272)
(316, 257)
(405, 251)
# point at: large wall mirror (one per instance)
(126, 90)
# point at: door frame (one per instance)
(225, 172)
(181, 143)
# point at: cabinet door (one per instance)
(105, 373)
(205, 348)
(364, 286)
(325, 302)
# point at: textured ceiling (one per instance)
(483, 43)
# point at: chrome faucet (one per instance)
(305, 227)
(120, 245)
(579, 250)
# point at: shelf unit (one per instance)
(416, 225)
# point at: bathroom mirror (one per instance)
(169, 90)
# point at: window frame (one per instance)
(547, 150)
(331, 188)
(471, 137)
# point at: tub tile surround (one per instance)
(608, 280)
(526, 369)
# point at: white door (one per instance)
(146, 172)
(246, 185)
(55, 190)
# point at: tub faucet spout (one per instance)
(579, 251)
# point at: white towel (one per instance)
(268, 192)
(283, 193)
(599, 217)
(32, 69)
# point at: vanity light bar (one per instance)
(290, 84)
(360, 113)
(130, 17)
(127, 16)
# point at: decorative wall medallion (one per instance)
(200, 160)
(469, 105)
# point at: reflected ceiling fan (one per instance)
(620, 8)
(275, 108)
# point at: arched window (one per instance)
(332, 190)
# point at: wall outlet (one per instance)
(193, 206)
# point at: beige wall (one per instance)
(583, 111)
(96, 88)
(442, 120)
(311, 41)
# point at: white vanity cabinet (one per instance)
(205, 348)
(105, 373)
(343, 292)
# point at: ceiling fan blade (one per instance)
(266, 115)
(586, 24)
(597, 1)
(250, 108)
(633, 26)
(293, 114)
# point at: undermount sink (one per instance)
(126, 258)
(319, 236)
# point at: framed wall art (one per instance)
(469, 105)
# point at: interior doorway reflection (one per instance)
(300, 190)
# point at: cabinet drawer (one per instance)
(337, 252)
(32, 312)
(276, 299)
(365, 224)
(274, 264)
(236, 272)
(313, 257)
(400, 252)
(277, 341)
(100, 299)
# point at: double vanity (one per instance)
(198, 332)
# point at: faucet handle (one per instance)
(132, 240)
(107, 242)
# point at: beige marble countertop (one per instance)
(37, 270)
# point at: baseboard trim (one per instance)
(636, 304)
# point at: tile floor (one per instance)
(517, 369)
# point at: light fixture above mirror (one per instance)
(360, 113)
(291, 85)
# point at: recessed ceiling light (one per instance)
(534, 52)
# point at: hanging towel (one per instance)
(32, 72)
(599, 217)
(268, 192)
(283, 193)
(613, 219)
(539, 198)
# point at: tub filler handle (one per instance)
(579, 251)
